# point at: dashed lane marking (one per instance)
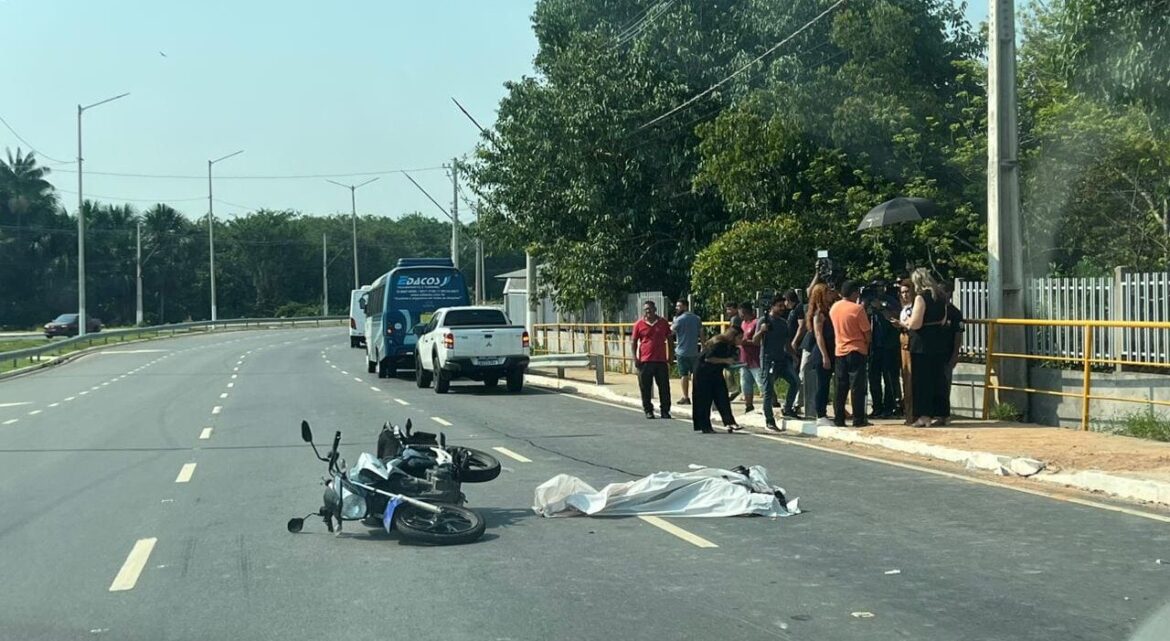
(512, 455)
(185, 473)
(53, 404)
(231, 385)
(217, 409)
(11, 421)
(15, 404)
(223, 395)
(441, 421)
(34, 412)
(358, 379)
(376, 389)
(69, 398)
(205, 434)
(401, 402)
(671, 528)
(127, 577)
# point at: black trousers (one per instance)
(710, 387)
(650, 373)
(929, 382)
(824, 376)
(885, 368)
(850, 371)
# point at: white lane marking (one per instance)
(34, 412)
(217, 409)
(127, 577)
(358, 379)
(231, 385)
(185, 473)
(11, 421)
(223, 395)
(234, 376)
(333, 366)
(671, 528)
(105, 383)
(53, 404)
(376, 389)
(132, 351)
(83, 392)
(401, 402)
(345, 372)
(235, 369)
(441, 421)
(15, 404)
(205, 434)
(510, 454)
(971, 479)
(93, 388)
(69, 398)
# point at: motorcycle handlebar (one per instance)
(333, 451)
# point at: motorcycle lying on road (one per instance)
(417, 490)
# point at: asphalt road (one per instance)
(90, 453)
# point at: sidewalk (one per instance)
(1125, 467)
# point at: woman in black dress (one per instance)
(709, 384)
(930, 348)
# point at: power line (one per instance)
(30, 145)
(135, 200)
(247, 177)
(758, 58)
(651, 14)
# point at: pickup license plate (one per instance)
(489, 360)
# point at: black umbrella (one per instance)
(898, 210)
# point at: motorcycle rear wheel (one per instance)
(480, 467)
(451, 526)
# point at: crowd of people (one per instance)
(896, 343)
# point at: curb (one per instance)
(1124, 487)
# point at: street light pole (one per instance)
(138, 276)
(81, 315)
(353, 217)
(211, 230)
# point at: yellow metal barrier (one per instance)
(1087, 360)
(606, 332)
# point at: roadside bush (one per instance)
(1147, 424)
(292, 310)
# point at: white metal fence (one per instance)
(1124, 297)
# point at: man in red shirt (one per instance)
(649, 337)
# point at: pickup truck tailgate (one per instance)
(487, 343)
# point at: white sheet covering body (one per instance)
(704, 492)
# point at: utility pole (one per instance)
(353, 218)
(324, 275)
(211, 230)
(138, 278)
(81, 315)
(455, 212)
(479, 275)
(1005, 260)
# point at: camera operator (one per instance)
(881, 304)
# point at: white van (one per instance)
(357, 317)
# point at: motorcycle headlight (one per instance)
(353, 506)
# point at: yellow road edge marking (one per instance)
(205, 434)
(185, 473)
(127, 577)
(510, 454)
(671, 528)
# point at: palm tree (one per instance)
(22, 184)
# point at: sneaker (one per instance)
(666, 415)
(790, 413)
(865, 424)
(684, 401)
(749, 408)
(838, 423)
(650, 415)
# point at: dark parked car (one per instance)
(66, 325)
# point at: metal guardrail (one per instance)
(35, 353)
(584, 336)
(1087, 359)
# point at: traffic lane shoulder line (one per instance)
(512, 455)
(670, 528)
(127, 577)
(972, 479)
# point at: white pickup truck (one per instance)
(478, 343)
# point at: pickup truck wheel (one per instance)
(422, 378)
(442, 379)
(491, 382)
(371, 367)
(515, 380)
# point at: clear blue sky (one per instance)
(304, 87)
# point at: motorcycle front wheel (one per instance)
(452, 525)
(477, 465)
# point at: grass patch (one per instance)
(13, 344)
(1147, 424)
(1006, 412)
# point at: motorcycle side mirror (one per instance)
(306, 432)
(296, 525)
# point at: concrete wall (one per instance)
(1065, 411)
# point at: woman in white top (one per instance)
(906, 297)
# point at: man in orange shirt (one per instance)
(854, 335)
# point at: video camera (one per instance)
(878, 298)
